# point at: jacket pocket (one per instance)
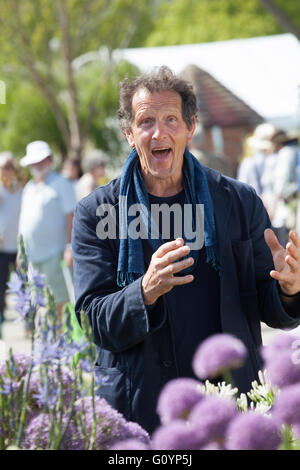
(115, 389)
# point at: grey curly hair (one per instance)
(160, 79)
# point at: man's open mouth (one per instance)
(161, 153)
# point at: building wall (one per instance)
(233, 141)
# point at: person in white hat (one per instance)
(252, 168)
(47, 209)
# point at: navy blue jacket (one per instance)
(135, 346)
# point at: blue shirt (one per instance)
(43, 221)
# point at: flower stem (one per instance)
(25, 402)
(227, 376)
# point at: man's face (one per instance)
(41, 169)
(159, 132)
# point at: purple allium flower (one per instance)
(282, 369)
(286, 409)
(21, 366)
(129, 444)
(177, 398)
(216, 354)
(110, 423)
(210, 418)
(281, 342)
(37, 433)
(177, 435)
(46, 391)
(253, 431)
(134, 431)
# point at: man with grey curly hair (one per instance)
(172, 252)
(93, 166)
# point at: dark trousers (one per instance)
(5, 260)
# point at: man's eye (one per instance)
(146, 121)
(172, 119)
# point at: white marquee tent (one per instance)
(262, 71)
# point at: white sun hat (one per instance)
(36, 152)
(262, 137)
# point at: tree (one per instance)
(195, 21)
(282, 17)
(40, 39)
(27, 115)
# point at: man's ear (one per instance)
(191, 130)
(129, 137)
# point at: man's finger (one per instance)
(284, 277)
(177, 281)
(272, 241)
(293, 264)
(295, 238)
(177, 266)
(293, 251)
(169, 246)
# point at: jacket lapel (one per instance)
(222, 202)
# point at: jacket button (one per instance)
(167, 363)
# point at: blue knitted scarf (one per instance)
(131, 260)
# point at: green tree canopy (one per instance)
(194, 21)
(41, 38)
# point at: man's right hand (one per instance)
(159, 277)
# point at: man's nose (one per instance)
(159, 130)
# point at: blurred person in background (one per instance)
(46, 218)
(71, 169)
(10, 203)
(284, 179)
(252, 168)
(93, 165)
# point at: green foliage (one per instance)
(102, 90)
(194, 21)
(33, 63)
(27, 117)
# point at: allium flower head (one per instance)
(21, 366)
(211, 417)
(216, 354)
(287, 405)
(110, 424)
(37, 433)
(281, 342)
(177, 398)
(177, 435)
(253, 431)
(282, 369)
(45, 391)
(129, 444)
(134, 431)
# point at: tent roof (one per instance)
(218, 105)
(264, 72)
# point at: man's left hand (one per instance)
(286, 261)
